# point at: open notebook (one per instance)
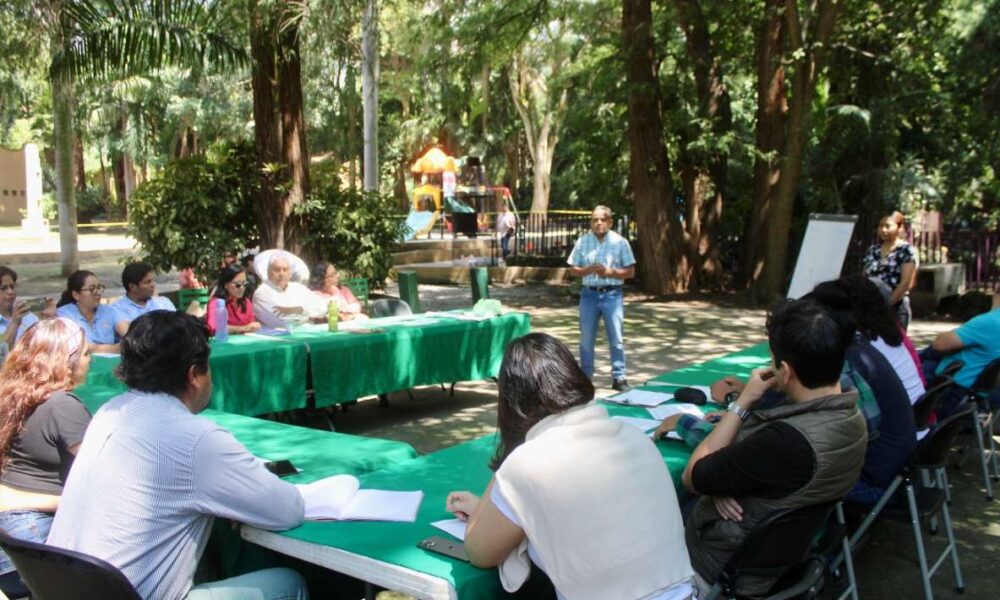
(341, 498)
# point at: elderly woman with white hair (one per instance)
(278, 298)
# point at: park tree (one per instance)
(279, 118)
(792, 38)
(104, 39)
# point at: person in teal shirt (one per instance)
(976, 343)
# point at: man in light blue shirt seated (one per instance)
(604, 260)
(976, 343)
(151, 476)
(140, 296)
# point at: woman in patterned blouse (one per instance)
(894, 261)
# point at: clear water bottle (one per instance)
(221, 320)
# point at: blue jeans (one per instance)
(30, 525)
(268, 584)
(608, 305)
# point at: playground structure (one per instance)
(454, 193)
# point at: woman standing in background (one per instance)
(894, 261)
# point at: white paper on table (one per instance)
(673, 435)
(453, 527)
(669, 410)
(106, 354)
(341, 498)
(639, 423)
(637, 397)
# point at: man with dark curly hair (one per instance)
(150, 475)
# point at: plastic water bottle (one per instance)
(221, 320)
(332, 315)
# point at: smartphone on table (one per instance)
(281, 468)
(445, 547)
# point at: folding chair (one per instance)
(359, 287)
(924, 503)
(56, 574)
(778, 547)
(390, 307)
(983, 420)
(924, 407)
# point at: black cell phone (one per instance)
(444, 546)
(281, 468)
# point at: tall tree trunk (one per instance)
(772, 106)
(79, 173)
(293, 132)
(369, 87)
(62, 140)
(807, 43)
(352, 130)
(710, 180)
(267, 126)
(662, 261)
(542, 121)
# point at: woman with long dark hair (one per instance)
(81, 303)
(569, 483)
(41, 427)
(894, 261)
(231, 287)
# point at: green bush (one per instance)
(197, 210)
(355, 230)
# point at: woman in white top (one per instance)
(586, 498)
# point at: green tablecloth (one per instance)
(251, 375)
(315, 452)
(398, 353)
(464, 467)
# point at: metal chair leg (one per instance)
(987, 483)
(852, 583)
(918, 538)
(942, 478)
(995, 475)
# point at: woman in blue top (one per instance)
(81, 303)
(894, 261)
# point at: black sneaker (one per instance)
(620, 385)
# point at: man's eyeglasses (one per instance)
(8, 288)
(97, 289)
(600, 219)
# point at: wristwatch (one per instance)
(739, 411)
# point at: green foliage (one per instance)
(197, 210)
(355, 230)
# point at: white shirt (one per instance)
(267, 297)
(146, 484)
(902, 362)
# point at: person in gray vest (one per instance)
(804, 452)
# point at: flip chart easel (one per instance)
(824, 248)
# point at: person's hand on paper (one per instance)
(668, 425)
(725, 385)
(760, 381)
(728, 508)
(462, 504)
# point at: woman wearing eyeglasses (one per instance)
(231, 287)
(81, 303)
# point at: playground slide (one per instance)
(420, 222)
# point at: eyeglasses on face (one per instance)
(8, 288)
(599, 219)
(238, 284)
(95, 289)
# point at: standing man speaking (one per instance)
(604, 259)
